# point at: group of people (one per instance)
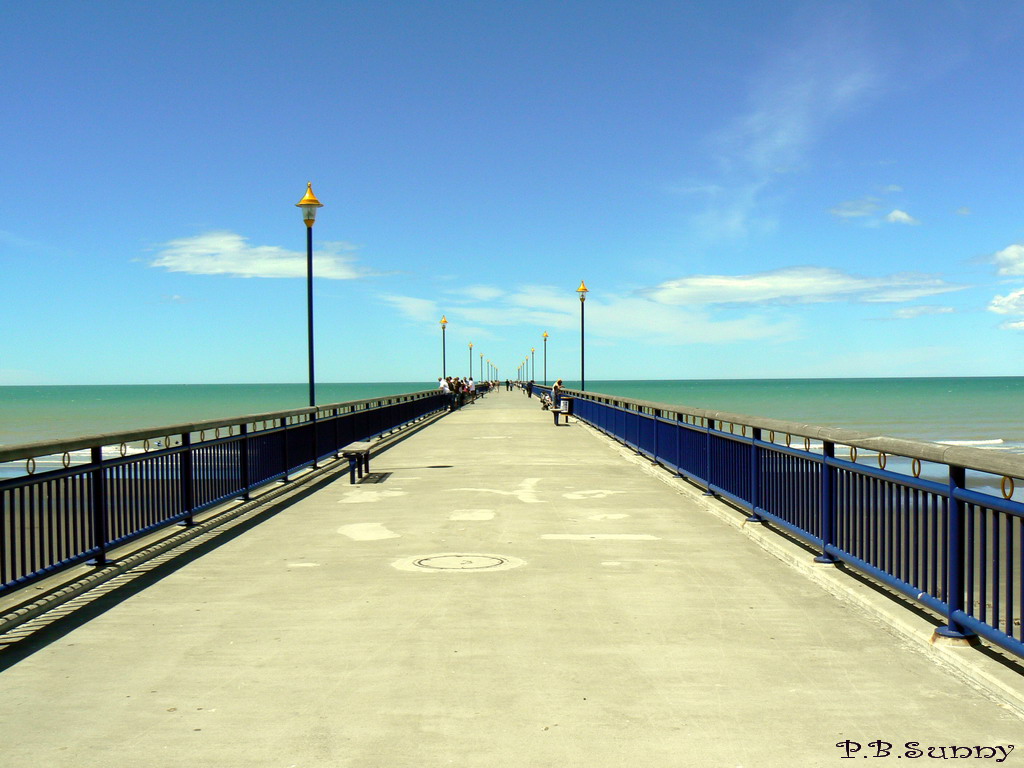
(459, 391)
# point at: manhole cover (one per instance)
(460, 562)
(450, 561)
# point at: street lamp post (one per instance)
(481, 366)
(533, 363)
(582, 291)
(545, 358)
(309, 204)
(444, 363)
(470, 376)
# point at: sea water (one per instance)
(983, 412)
(979, 411)
(29, 414)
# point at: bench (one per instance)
(358, 455)
(564, 409)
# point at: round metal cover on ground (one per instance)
(460, 562)
(450, 561)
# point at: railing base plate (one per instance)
(953, 639)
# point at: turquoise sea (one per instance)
(984, 412)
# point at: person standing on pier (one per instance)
(529, 388)
(556, 399)
(446, 389)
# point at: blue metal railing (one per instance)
(53, 519)
(920, 530)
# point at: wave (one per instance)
(973, 443)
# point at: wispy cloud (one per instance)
(419, 310)
(909, 313)
(813, 81)
(798, 285)
(897, 216)
(613, 317)
(855, 209)
(867, 209)
(228, 253)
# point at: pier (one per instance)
(496, 591)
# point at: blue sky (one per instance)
(787, 189)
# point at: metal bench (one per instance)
(358, 455)
(565, 408)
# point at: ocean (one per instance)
(979, 411)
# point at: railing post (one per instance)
(707, 458)
(827, 504)
(755, 478)
(243, 460)
(188, 499)
(953, 631)
(283, 422)
(657, 414)
(679, 445)
(316, 441)
(98, 502)
(334, 423)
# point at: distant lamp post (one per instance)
(481, 366)
(444, 369)
(533, 363)
(545, 358)
(470, 376)
(582, 291)
(309, 204)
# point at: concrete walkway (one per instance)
(568, 609)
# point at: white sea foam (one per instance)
(974, 443)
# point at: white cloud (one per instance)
(228, 253)
(908, 313)
(1015, 326)
(612, 317)
(896, 216)
(1010, 304)
(1010, 260)
(798, 285)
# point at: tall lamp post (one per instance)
(444, 364)
(481, 366)
(309, 204)
(582, 291)
(545, 358)
(533, 363)
(470, 376)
